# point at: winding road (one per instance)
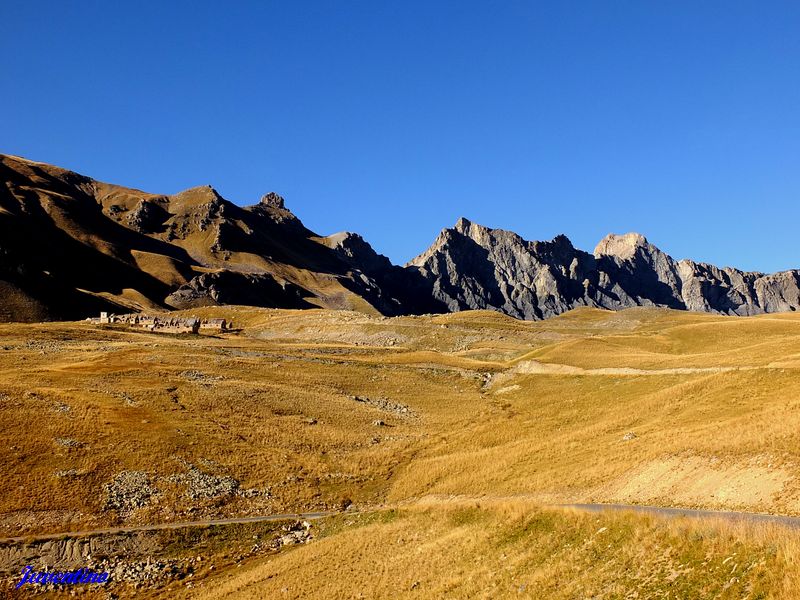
(660, 511)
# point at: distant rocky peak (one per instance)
(463, 225)
(473, 230)
(208, 189)
(273, 200)
(356, 251)
(623, 247)
(345, 238)
(482, 235)
(273, 207)
(201, 194)
(562, 241)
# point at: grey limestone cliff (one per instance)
(474, 267)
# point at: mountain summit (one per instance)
(71, 246)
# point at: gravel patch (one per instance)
(128, 491)
(201, 485)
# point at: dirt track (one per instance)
(745, 517)
(181, 525)
(670, 512)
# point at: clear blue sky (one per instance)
(679, 120)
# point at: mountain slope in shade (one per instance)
(475, 267)
(71, 246)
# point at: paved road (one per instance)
(745, 517)
(135, 528)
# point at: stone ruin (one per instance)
(164, 323)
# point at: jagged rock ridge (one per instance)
(71, 246)
(472, 267)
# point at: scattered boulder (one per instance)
(66, 473)
(298, 532)
(143, 572)
(67, 443)
(254, 493)
(200, 377)
(384, 404)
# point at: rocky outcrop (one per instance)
(230, 287)
(274, 200)
(201, 485)
(147, 217)
(474, 267)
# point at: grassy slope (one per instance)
(510, 549)
(720, 439)
(486, 422)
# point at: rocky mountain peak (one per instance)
(471, 230)
(272, 206)
(561, 241)
(463, 225)
(356, 251)
(483, 236)
(623, 246)
(273, 200)
(201, 194)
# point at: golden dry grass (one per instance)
(514, 549)
(532, 412)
